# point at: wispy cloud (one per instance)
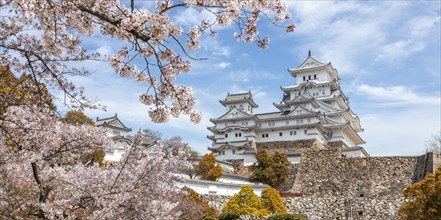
(398, 95)
(223, 65)
(250, 75)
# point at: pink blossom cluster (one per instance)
(42, 166)
(48, 51)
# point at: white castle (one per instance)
(313, 112)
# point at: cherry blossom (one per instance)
(42, 38)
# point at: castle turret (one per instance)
(242, 101)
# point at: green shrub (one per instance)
(229, 216)
(245, 202)
(287, 216)
(272, 201)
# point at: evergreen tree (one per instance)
(192, 207)
(272, 170)
(207, 169)
(214, 173)
(280, 168)
(423, 199)
(272, 201)
(245, 202)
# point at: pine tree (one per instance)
(245, 202)
(272, 201)
(207, 169)
(272, 170)
(423, 199)
(214, 173)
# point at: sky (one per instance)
(387, 54)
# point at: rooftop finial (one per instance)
(309, 53)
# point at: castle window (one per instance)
(234, 151)
(271, 124)
(323, 93)
(266, 135)
(360, 213)
(226, 135)
(223, 152)
(306, 131)
(309, 77)
(245, 123)
(293, 133)
(238, 134)
(309, 120)
(280, 134)
(304, 78)
(315, 76)
(219, 153)
(241, 107)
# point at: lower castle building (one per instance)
(313, 113)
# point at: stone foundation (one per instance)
(326, 185)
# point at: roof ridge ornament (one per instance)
(309, 53)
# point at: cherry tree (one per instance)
(42, 38)
(42, 167)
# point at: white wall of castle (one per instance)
(215, 188)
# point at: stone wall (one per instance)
(339, 207)
(326, 185)
(216, 201)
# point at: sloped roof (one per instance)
(112, 122)
(238, 98)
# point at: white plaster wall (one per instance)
(249, 159)
(217, 189)
(229, 155)
(294, 159)
(224, 179)
(355, 153)
(114, 156)
(275, 136)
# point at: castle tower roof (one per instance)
(112, 122)
(239, 98)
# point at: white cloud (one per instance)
(223, 65)
(247, 75)
(192, 16)
(422, 25)
(400, 49)
(397, 94)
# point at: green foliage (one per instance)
(280, 168)
(287, 216)
(245, 202)
(77, 118)
(194, 153)
(214, 173)
(23, 90)
(97, 156)
(192, 207)
(272, 170)
(207, 169)
(228, 216)
(423, 199)
(272, 201)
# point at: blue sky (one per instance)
(387, 55)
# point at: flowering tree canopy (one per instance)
(46, 167)
(42, 39)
